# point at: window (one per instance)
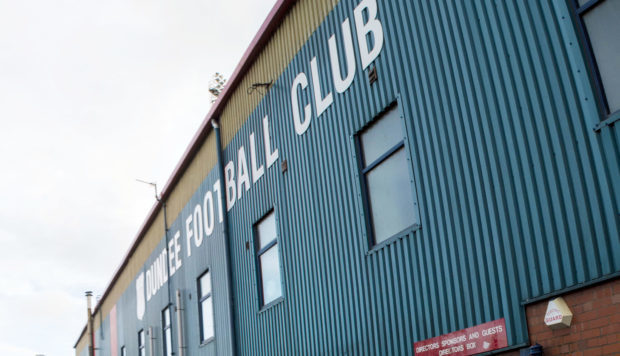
(205, 308)
(598, 21)
(268, 260)
(123, 351)
(389, 199)
(141, 344)
(167, 331)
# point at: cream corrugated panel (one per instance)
(149, 242)
(294, 31)
(194, 175)
(197, 171)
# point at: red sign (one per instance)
(477, 339)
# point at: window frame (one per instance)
(258, 252)
(165, 342)
(141, 342)
(363, 169)
(578, 13)
(201, 299)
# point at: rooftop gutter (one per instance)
(269, 26)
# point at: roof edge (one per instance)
(269, 26)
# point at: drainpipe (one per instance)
(163, 207)
(91, 333)
(151, 342)
(231, 297)
(179, 311)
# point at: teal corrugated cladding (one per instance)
(208, 256)
(518, 196)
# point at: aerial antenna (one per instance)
(152, 184)
(216, 86)
(260, 87)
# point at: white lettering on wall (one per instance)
(301, 81)
(177, 251)
(218, 190)
(243, 177)
(197, 225)
(270, 156)
(207, 205)
(231, 189)
(342, 84)
(257, 171)
(235, 187)
(321, 104)
(370, 29)
(201, 219)
(189, 233)
(140, 299)
(171, 257)
(149, 282)
(155, 277)
(238, 176)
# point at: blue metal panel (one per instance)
(518, 197)
(206, 256)
(517, 194)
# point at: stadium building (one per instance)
(391, 177)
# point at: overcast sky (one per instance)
(94, 94)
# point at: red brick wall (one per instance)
(595, 328)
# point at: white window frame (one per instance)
(366, 167)
(274, 243)
(141, 342)
(201, 303)
(579, 11)
(167, 339)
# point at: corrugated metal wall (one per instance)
(518, 197)
(208, 256)
(516, 191)
(292, 33)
